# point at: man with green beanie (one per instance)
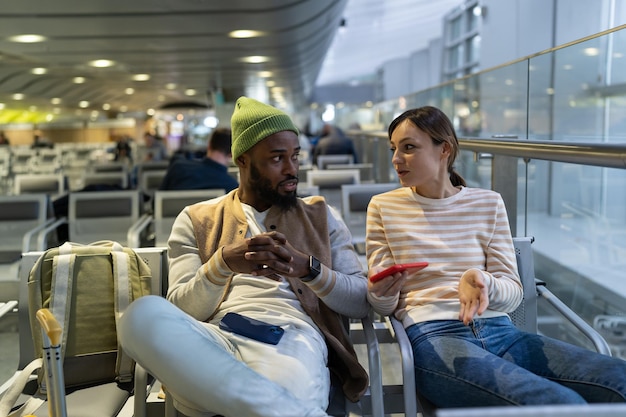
(284, 264)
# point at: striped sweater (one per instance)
(454, 234)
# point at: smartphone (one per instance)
(252, 328)
(416, 266)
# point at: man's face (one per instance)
(274, 169)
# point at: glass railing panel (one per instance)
(503, 99)
(579, 72)
(615, 93)
(475, 168)
(580, 246)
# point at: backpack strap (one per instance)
(123, 291)
(61, 291)
(11, 396)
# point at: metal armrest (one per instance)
(141, 391)
(29, 235)
(375, 367)
(592, 334)
(6, 307)
(408, 367)
(43, 234)
(134, 232)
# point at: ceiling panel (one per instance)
(181, 42)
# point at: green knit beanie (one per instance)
(253, 121)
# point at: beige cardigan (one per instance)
(306, 227)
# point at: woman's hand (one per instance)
(388, 286)
(473, 295)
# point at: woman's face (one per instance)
(418, 161)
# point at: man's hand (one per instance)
(266, 254)
(473, 295)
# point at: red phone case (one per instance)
(398, 268)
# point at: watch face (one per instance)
(315, 265)
(314, 269)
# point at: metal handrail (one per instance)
(596, 154)
(608, 155)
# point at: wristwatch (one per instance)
(315, 268)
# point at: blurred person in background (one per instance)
(334, 142)
(211, 172)
(3, 139)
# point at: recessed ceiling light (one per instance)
(123, 109)
(18, 96)
(129, 91)
(102, 63)
(28, 38)
(245, 34)
(55, 100)
(79, 80)
(190, 92)
(170, 86)
(106, 106)
(83, 104)
(255, 59)
(265, 74)
(38, 71)
(141, 77)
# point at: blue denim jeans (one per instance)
(491, 362)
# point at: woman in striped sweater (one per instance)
(467, 351)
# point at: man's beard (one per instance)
(263, 189)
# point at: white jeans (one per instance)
(207, 370)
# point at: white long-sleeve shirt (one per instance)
(467, 230)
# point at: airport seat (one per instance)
(22, 218)
(5, 169)
(52, 184)
(106, 215)
(109, 167)
(21, 159)
(525, 318)
(369, 405)
(104, 400)
(46, 161)
(147, 166)
(168, 204)
(366, 170)
(330, 182)
(322, 161)
(233, 171)
(113, 178)
(303, 171)
(306, 191)
(150, 181)
(362, 332)
(354, 201)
